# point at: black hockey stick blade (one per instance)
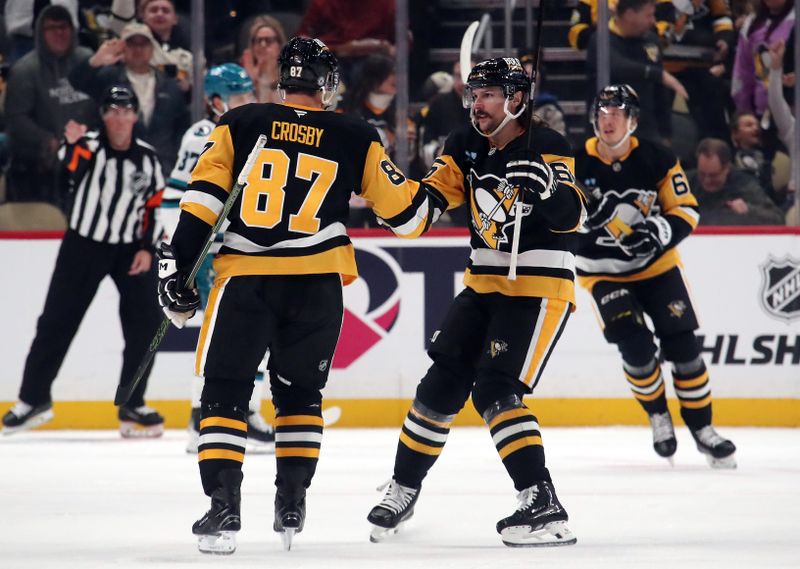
(125, 390)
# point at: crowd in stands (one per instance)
(725, 67)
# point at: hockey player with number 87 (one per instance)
(628, 262)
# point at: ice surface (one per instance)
(80, 499)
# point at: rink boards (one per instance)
(746, 289)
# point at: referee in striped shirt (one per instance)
(116, 182)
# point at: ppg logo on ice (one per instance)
(780, 288)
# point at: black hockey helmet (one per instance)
(504, 72)
(621, 96)
(120, 96)
(307, 64)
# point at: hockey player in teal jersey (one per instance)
(226, 86)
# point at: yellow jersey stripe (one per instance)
(508, 415)
(652, 397)
(296, 452)
(223, 422)
(295, 420)
(419, 447)
(341, 260)
(518, 444)
(696, 404)
(689, 383)
(220, 454)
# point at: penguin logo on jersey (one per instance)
(497, 347)
(492, 207)
(627, 208)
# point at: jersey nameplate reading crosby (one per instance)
(293, 132)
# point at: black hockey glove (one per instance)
(601, 212)
(177, 302)
(532, 174)
(649, 237)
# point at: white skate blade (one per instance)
(131, 430)
(331, 415)
(222, 544)
(40, 419)
(550, 535)
(378, 533)
(287, 536)
(726, 463)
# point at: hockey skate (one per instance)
(290, 517)
(664, 442)
(216, 530)
(260, 434)
(140, 422)
(22, 417)
(396, 508)
(540, 520)
(719, 452)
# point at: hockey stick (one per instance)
(512, 266)
(465, 53)
(124, 391)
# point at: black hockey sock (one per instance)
(298, 438)
(222, 442)
(515, 432)
(694, 392)
(647, 385)
(422, 439)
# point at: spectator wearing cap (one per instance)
(171, 53)
(117, 184)
(163, 113)
(726, 195)
(39, 102)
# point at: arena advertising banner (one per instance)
(746, 291)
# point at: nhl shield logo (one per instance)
(780, 288)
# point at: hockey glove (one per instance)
(648, 238)
(177, 302)
(532, 174)
(602, 212)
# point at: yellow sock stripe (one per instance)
(295, 420)
(689, 383)
(510, 414)
(419, 447)
(223, 422)
(420, 416)
(518, 444)
(302, 452)
(649, 380)
(696, 404)
(653, 396)
(220, 453)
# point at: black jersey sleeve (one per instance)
(565, 210)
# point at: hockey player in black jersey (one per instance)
(627, 260)
(499, 332)
(280, 271)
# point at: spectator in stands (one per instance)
(706, 28)
(726, 195)
(780, 109)
(171, 46)
(163, 113)
(749, 153)
(636, 59)
(772, 22)
(444, 113)
(546, 103)
(371, 96)
(584, 20)
(352, 29)
(265, 38)
(39, 103)
(20, 16)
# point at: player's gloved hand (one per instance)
(178, 302)
(532, 174)
(649, 237)
(601, 212)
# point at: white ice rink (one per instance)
(90, 500)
